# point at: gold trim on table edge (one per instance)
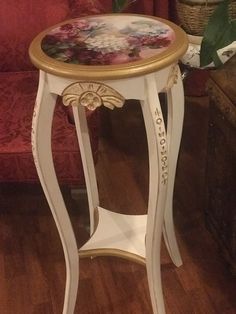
(108, 72)
(112, 252)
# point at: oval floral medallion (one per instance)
(107, 40)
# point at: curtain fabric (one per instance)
(161, 8)
(158, 8)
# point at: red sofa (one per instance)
(20, 21)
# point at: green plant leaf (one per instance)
(233, 30)
(119, 5)
(219, 33)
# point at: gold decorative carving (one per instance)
(92, 95)
(33, 130)
(161, 134)
(173, 76)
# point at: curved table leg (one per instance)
(87, 160)
(175, 99)
(41, 146)
(157, 147)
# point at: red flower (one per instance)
(66, 27)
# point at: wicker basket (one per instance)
(193, 17)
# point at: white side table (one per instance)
(103, 60)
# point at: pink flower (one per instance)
(84, 25)
(66, 27)
(69, 53)
(64, 32)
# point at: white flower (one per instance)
(149, 29)
(107, 42)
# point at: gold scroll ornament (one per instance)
(92, 95)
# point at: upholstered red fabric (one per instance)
(18, 92)
(21, 21)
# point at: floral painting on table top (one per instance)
(107, 40)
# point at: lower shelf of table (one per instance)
(117, 235)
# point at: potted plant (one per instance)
(193, 15)
(219, 35)
(210, 26)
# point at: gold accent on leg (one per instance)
(173, 77)
(162, 139)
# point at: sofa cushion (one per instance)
(18, 93)
(21, 21)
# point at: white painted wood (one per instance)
(120, 232)
(175, 100)
(87, 160)
(157, 148)
(41, 147)
(133, 237)
(130, 88)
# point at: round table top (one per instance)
(108, 46)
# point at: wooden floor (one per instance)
(32, 270)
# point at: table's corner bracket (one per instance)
(92, 95)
